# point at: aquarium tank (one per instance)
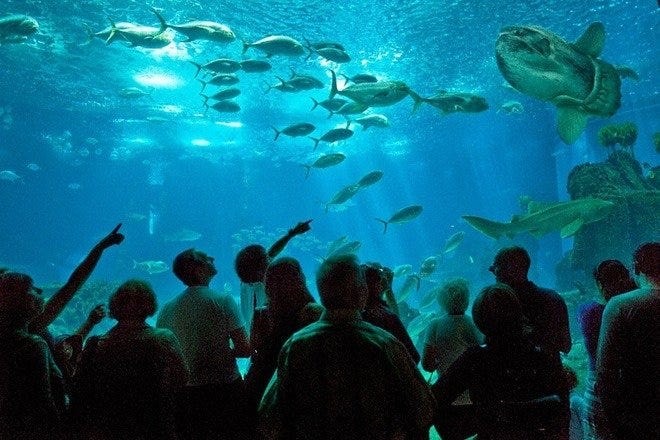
(423, 135)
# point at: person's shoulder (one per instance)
(311, 312)
(630, 299)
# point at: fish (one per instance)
(369, 179)
(224, 79)
(402, 216)
(295, 130)
(378, 94)
(454, 241)
(350, 108)
(133, 92)
(200, 30)
(220, 65)
(276, 45)
(566, 217)
(429, 297)
(428, 266)
(325, 161)
(349, 247)
(411, 282)
(255, 66)
(331, 105)
(182, 235)
(151, 267)
(136, 35)
(419, 324)
(324, 45)
(373, 120)
(402, 269)
(454, 102)
(225, 106)
(336, 244)
(334, 135)
(333, 54)
(511, 107)
(9, 176)
(343, 195)
(222, 94)
(16, 28)
(543, 65)
(360, 78)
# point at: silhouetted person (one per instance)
(251, 264)
(508, 377)
(377, 312)
(290, 307)
(545, 309)
(127, 378)
(612, 278)
(628, 360)
(343, 378)
(30, 404)
(212, 335)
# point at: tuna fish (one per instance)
(136, 35)
(277, 45)
(343, 195)
(543, 65)
(373, 120)
(334, 135)
(325, 161)
(370, 178)
(454, 102)
(252, 66)
(295, 130)
(378, 94)
(200, 30)
(17, 28)
(403, 215)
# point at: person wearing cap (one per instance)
(343, 378)
(516, 387)
(31, 403)
(628, 359)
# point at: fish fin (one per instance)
(316, 103)
(163, 24)
(488, 227)
(316, 141)
(627, 72)
(246, 46)
(308, 168)
(571, 122)
(197, 66)
(571, 228)
(418, 100)
(384, 224)
(333, 86)
(592, 40)
(277, 132)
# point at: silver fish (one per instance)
(16, 28)
(370, 178)
(325, 161)
(402, 216)
(334, 135)
(295, 130)
(276, 45)
(151, 266)
(200, 30)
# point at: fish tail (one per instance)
(307, 171)
(346, 79)
(90, 34)
(418, 100)
(135, 263)
(246, 46)
(277, 132)
(206, 100)
(163, 24)
(316, 141)
(197, 66)
(203, 85)
(333, 86)
(385, 223)
(316, 103)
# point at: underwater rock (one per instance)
(633, 220)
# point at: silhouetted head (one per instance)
(194, 268)
(341, 283)
(251, 263)
(497, 312)
(454, 296)
(613, 278)
(646, 260)
(511, 265)
(286, 287)
(377, 281)
(20, 301)
(134, 299)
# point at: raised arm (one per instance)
(95, 316)
(299, 229)
(61, 298)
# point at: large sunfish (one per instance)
(541, 64)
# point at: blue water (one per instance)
(103, 159)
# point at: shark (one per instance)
(543, 218)
(541, 64)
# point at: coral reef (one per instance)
(624, 134)
(634, 219)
